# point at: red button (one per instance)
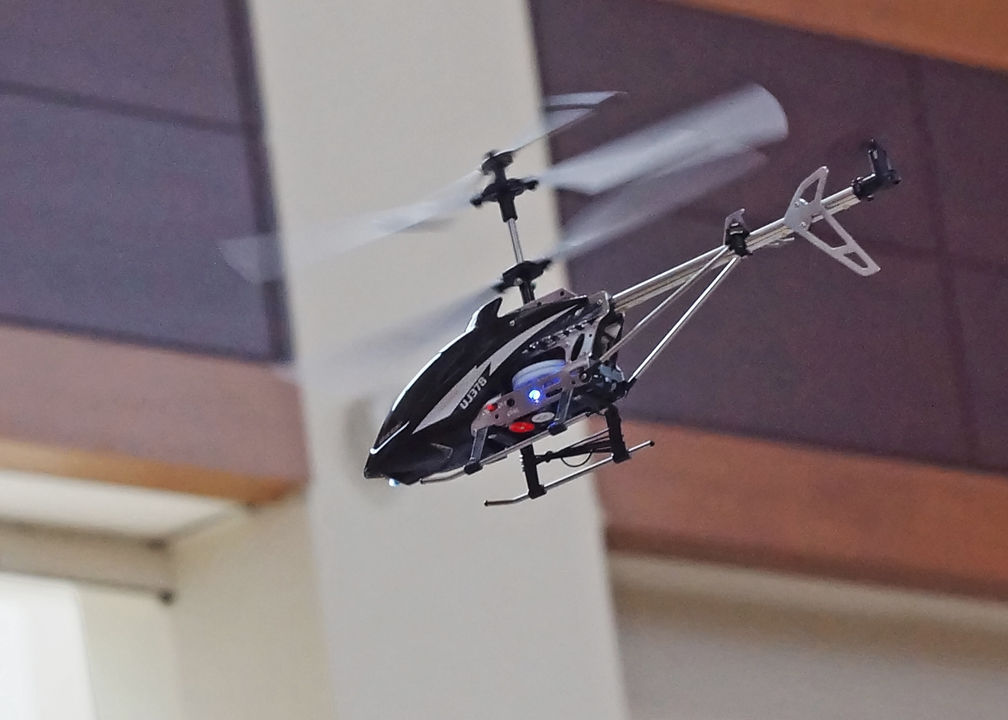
(521, 427)
(492, 407)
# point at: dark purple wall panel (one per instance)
(795, 346)
(130, 143)
(110, 223)
(908, 362)
(668, 58)
(173, 55)
(967, 114)
(983, 307)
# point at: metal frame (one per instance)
(738, 243)
(771, 234)
(799, 218)
(566, 478)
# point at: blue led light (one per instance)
(534, 395)
(393, 483)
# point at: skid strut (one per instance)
(530, 466)
(609, 441)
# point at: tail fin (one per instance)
(802, 213)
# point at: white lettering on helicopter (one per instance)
(450, 403)
(481, 382)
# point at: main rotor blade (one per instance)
(722, 128)
(380, 361)
(559, 111)
(647, 199)
(257, 258)
(743, 119)
(438, 207)
(384, 358)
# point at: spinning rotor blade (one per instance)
(381, 359)
(434, 327)
(257, 258)
(559, 111)
(653, 161)
(442, 205)
(726, 126)
(378, 363)
(648, 199)
(550, 122)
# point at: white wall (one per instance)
(716, 644)
(435, 607)
(131, 654)
(247, 621)
(43, 662)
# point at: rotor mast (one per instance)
(503, 191)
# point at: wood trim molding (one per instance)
(119, 469)
(756, 503)
(83, 408)
(971, 32)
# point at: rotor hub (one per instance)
(502, 189)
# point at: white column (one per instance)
(435, 606)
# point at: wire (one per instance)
(580, 464)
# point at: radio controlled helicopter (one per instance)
(513, 379)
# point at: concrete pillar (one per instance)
(435, 607)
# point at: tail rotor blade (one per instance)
(726, 126)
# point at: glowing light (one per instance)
(534, 395)
(393, 482)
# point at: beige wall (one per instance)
(706, 643)
(435, 607)
(131, 654)
(247, 622)
(43, 662)
(242, 639)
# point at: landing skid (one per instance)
(609, 440)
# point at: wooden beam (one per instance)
(972, 32)
(120, 469)
(83, 408)
(757, 503)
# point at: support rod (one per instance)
(515, 242)
(632, 333)
(686, 316)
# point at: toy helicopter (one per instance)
(513, 379)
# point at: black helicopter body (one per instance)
(510, 380)
(513, 378)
